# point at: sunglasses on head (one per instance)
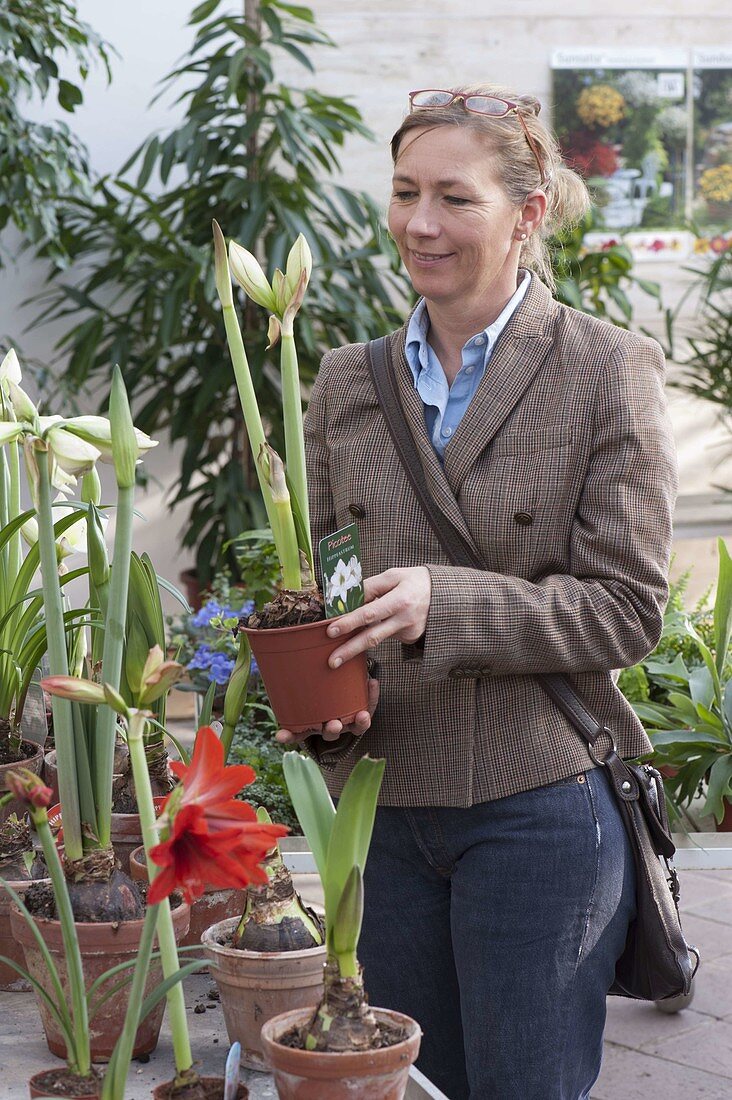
(489, 105)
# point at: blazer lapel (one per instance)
(414, 414)
(521, 349)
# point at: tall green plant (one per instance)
(261, 157)
(42, 162)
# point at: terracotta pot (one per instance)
(126, 831)
(39, 1085)
(303, 689)
(214, 906)
(366, 1075)
(10, 980)
(34, 762)
(256, 985)
(102, 945)
(213, 1086)
(191, 584)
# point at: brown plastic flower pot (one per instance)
(33, 760)
(213, 1089)
(304, 691)
(380, 1074)
(254, 986)
(213, 906)
(103, 946)
(62, 1084)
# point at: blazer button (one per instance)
(357, 511)
(524, 519)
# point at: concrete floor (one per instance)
(648, 1055)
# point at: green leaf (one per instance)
(351, 832)
(69, 95)
(720, 787)
(349, 914)
(313, 805)
(701, 686)
(723, 606)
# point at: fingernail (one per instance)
(333, 631)
(337, 663)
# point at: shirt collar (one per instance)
(419, 325)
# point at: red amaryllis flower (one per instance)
(210, 838)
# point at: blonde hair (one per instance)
(567, 197)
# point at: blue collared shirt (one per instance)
(445, 405)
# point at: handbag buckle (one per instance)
(602, 763)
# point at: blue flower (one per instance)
(221, 668)
(202, 658)
(208, 612)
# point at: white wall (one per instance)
(383, 50)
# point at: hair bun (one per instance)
(530, 102)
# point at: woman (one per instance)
(499, 886)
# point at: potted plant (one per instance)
(268, 959)
(692, 730)
(204, 832)
(343, 1048)
(292, 627)
(22, 634)
(106, 903)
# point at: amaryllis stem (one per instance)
(63, 722)
(166, 934)
(81, 1056)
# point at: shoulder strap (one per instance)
(556, 685)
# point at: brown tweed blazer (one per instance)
(562, 473)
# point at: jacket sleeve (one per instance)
(606, 612)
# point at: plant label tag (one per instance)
(340, 562)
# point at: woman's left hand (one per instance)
(397, 604)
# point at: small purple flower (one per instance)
(221, 668)
(202, 658)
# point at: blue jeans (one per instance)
(498, 927)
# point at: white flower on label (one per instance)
(354, 576)
(339, 582)
(249, 275)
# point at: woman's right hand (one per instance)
(331, 731)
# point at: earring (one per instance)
(522, 236)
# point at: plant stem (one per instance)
(166, 935)
(294, 439)
(119, 1064)
(114, 640)
(15, 548)
(247, 397)
(74, 969)
(63, 722)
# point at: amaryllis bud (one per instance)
(10, 369)
(250, 277)
(222, 275)
(28, 788)
(71, 687)
(125, 451)
(23, 407)
(299, 260)
(279, 289)
(158, 676)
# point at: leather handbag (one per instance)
(656, 963)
